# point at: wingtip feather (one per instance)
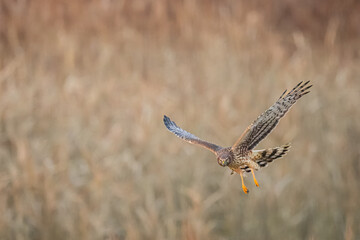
(167, 122)
(306, 83)
(283, 94)
(295, 88)
(304, 89)
(165, 118)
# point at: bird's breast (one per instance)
(238, 162)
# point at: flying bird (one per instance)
(241, 157)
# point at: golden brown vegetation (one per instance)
(83, 150)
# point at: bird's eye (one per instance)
(220, 162)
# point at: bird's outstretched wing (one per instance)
(188, 137)
(267, 121)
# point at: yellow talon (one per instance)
(245, 189)
(256, 182)
(242, 183)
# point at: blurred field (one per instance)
(83, 88)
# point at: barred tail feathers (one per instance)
(265, 156)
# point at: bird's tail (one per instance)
(265, 156)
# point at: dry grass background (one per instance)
(83, 87)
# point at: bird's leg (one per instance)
(252, 165)
(239, 171)
(242, 183)
(256, 182)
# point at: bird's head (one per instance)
(224, 157)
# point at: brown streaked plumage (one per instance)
(241, 157)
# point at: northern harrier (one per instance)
(241, 157)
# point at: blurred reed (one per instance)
(83, 150)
